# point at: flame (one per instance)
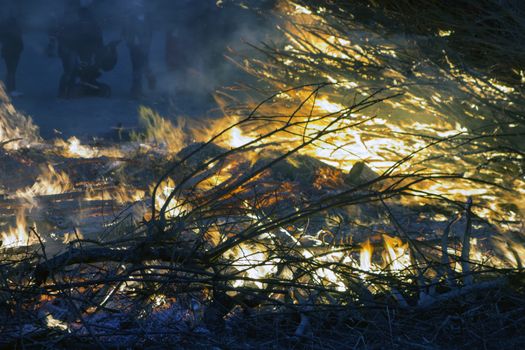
(513, 250)
(175, 207)
(252, 263)
(365, 256)
(70, 237)
(328, 106)
(237, 139)
(52, 322)
(49, 182)
(378, 143)
(15, 126)
(160, 131)
(73, 148)
(325, 274)
(120, 194)
(17, 236)
(76, 149)
(397, 254)
(408, 123)
(332, 277)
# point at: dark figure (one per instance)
(12, 47)
(88, 37)
(62, 35)
(80, 42)
(88, 48)
(137, 33)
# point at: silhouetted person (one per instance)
(88, 37)
(138, 33)
(63, 33)
(12, 47)
(79, 40)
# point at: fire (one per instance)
(397, 254)
(327, 275)
(49, 182)
(328, 106)
(513, 250)
(73, 148)
(365, 256)
(237, 139)
(332, 278)
(160, 131)
(253, 264)
(120, 194)
(15, 127)
(408, 124)
(378, 143)
(52, 322)
(221, 176)
(175, 207)
(16, 236)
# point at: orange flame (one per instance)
(365, 256)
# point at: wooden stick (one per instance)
(465, 249)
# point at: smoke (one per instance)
(191, 38)
(202, 35)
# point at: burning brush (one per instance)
(322, 210)
(247, 222)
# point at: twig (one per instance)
(465, 249)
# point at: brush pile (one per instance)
(378, 208)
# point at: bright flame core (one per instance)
(365, 257)
(18, 235)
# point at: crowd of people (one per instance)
(77, 39)
(197, 34)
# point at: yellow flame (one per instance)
(52, 322)
(513, 251)
(329, 275)
(397, 254)
(175, 207)
(16, 236)
(120, 194)
(49, 182)
(160, 131)
(253, 264)
(329, 106)
(365, 256)
(73, 148)
(15, 126)
(237, 139)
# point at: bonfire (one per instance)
(368, 194)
